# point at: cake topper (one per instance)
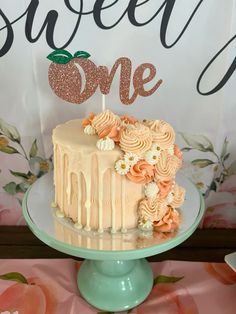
(66, 71)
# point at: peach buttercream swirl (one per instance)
(166, 166)
(112, 132)
(136, 139)
(88, 121)
(141, 172)
(105, 120)
(151, 209)
(169, 222)
(178, 196)
(164, 188)
(162, 133)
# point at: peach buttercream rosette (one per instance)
(166, 166)
(152, 209)
(178, 196)
(141, 172)
(169, 222)
(136, 139)
(162, 133)
(105, 120)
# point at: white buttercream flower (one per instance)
(89, 130)
(145, 225)
(155, 147)
(105, 143)
(151, 190)
(131, 158)
(151, 157)
(122, 167)
(171, 150)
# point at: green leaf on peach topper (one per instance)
(9, 131)
(8, 149)
(60, 56)
(202, 163)
(232, 168)
(81, 54)
(34, 149)
(224, 148)
(14, 276)
(166, 279)
(199, 142)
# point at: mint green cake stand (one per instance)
(115, 275)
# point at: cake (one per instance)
(116, 173)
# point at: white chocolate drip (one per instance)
(88, 203)
(100, 201)
(79, 212)
(113, 206)
(55, 172)
(123, 228)
(68, 191)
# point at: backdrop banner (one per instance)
(191, 44)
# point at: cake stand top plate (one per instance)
(60, 233)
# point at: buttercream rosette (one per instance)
(152, 209)
(162, 133)
(178, 193)
(141, 172)
(169, 222)
(105, 120)
(136, 139)
(166, 166)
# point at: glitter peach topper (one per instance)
(65, 77)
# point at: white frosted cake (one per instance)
(116, 173)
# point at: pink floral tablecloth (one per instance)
(49, 287)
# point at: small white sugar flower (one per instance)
(122, 167)
(151, 157)
(151, 190)
(131, 158)
(155, 147)
(171, 150)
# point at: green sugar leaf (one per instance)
(81, 54)
(60, 56)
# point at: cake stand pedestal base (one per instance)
(117, 285)
(115, 275)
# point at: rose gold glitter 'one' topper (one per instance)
(65, 77)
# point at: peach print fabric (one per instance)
(179, 288)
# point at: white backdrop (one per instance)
(33, 110)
